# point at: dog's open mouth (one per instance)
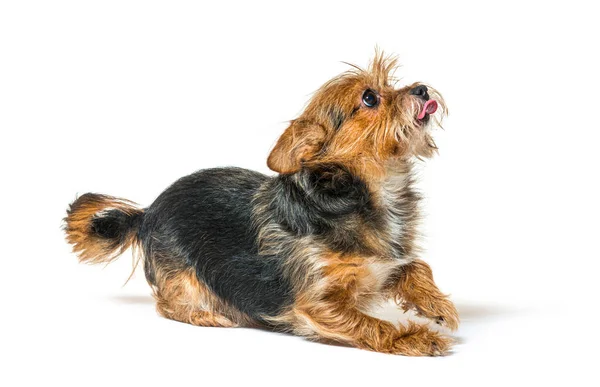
(429, 107)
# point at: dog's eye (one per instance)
(370, 99)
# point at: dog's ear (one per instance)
(299, 143)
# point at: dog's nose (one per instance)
(420, 91)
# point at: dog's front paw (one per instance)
(444, 313)
(441, 310)
(423, 342)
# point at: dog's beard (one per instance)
(412, 134)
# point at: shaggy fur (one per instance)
(309, 250)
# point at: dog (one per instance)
(310, 250)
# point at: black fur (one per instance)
(114, 224)
(327, 202)
(337, 117)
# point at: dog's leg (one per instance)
(416, 289)
(332, 321)
(181, 297)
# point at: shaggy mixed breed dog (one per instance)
(310, 250)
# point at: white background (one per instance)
(123, 97)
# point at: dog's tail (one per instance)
(102, 227)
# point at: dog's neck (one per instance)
(374, 217)
(395, 201)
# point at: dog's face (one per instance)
(359, 118)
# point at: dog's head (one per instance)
(358, 118)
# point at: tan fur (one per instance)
(370, 138)
(181, 297)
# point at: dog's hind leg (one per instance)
(181, 297)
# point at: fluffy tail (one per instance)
(101, 227)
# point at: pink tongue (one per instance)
(429, 108)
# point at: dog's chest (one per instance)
(398, 205)
(393, 202)
(378, 272)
